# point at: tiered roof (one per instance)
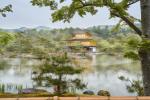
(83, 39)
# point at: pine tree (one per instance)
(57, 72)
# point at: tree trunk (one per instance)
(59, 91)
(145, 63)
(145, 55)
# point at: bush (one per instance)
(103, 93)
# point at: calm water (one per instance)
(102, 72)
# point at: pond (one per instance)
(102, 72)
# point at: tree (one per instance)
(134, 86)
(57, 72)
(117, 9)
(5, 37)
(144, 51)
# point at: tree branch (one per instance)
(134, 27)
(131, 24)
(82, 2)
(133, 2)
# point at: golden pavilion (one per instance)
(82, 39)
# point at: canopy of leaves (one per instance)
(82, 7)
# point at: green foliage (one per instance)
(134, 86)
(103, 93)
(117, 27)
(126, 44)
(66, 12)
(6, 9)
(41, 43)
(50, 3)
(145, 44)
(133, 41)
(57, 72)
(132, 55)
(132, 47)
(38, 43)
(101, 31)
(21, 44)
(5, 87)
(116, 8)
(134, 44)
(5, 38)
(2, 88)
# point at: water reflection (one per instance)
(102, 72)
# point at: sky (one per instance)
(26, 15)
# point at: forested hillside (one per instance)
(43, 40)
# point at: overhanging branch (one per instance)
(131, 24)
(124, 18)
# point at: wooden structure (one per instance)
(81, 98)
(83, 40)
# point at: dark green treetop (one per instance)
(58, 71)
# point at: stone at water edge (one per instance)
(103, 93)
(88, 92)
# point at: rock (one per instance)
(89, 92)
(103, 93)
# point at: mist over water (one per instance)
(102, 72)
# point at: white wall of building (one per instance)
(93, 49)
